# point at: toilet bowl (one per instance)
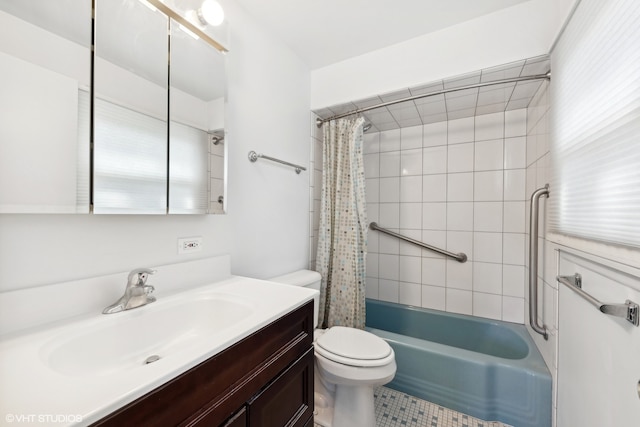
(349, 364)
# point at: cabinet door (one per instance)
(197, 95)
(45, 63)
(288, 400)
(238, 420)
(130, 108)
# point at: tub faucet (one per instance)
(136, 294)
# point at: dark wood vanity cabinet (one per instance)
(264, 380)
(288, 400)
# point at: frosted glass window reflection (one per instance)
(130, 161)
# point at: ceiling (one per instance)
(328, 31)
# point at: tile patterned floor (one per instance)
(397, 409)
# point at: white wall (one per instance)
(268, 113)
(598, 373)
(522, 31)
(36, 105)
(265, 229)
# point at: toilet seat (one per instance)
(353, 347)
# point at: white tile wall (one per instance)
(487, 247)
(412, 188)
(434, 134)
(515, 123)
(460, 158)
(460, 130)
(487, 216)
(515, 154)
(315, 183)
(389, 140)
(460, 216)
(434, 297)
(411, 162)
(489, 155)
(388, 290)
(513, 277)
(434, 160)
(459, 185)
(411, 216)
(434, 188)
(389, 190)
(459, 301)
(411, 137)
(489, 126)
(389, 163)
(488, 186)
(536, 175)
(389, 215)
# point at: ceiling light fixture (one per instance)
(210, 13)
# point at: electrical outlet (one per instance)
(189, 244)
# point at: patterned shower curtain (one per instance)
(342, 240)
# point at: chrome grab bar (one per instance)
(533, 262)
(253, 156)
(628, 310)
(460, 257)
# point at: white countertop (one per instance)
(33, 392)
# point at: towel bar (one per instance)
(253, 156)
(628, 310)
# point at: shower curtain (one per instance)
(342, 240)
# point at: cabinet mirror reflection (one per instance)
(196, 130)
(155, 118)
(45, 63)
(130, 108)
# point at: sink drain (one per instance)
(151, 359)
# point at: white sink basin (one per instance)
(124, 341)
(92, 366)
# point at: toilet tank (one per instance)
(308, 279)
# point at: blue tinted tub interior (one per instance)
(485, 368)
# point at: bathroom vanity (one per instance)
(264, 380)
(235, 352)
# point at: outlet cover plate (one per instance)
(189, 245)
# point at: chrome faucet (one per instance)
(136, 294)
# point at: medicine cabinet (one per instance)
(135, 128)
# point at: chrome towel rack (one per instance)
(628, 310)
(253, 156)
(533, 262)
(460, 257)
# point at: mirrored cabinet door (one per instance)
(130, 153)
(45, 76)
(151, 100)
(196, 130)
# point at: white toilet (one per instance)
(350, 363)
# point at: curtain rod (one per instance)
(546, 76)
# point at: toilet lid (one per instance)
(353, 347)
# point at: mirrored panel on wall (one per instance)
(196, 130)
(130, 108)
(45, 63)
